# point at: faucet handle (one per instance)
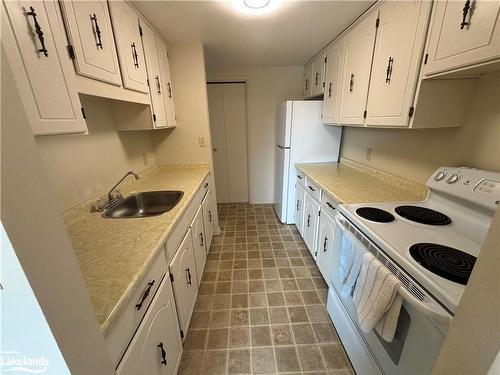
(116, 195)
(99, 205)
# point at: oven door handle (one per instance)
(438, 315)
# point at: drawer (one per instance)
(313, 190)
(301, 178)
(119, 335)
(329, 204)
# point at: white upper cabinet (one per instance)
(34, 43)
(463, 33)
(156, 89)
(396, 62)
(318, 76)
(166, 83)
(128, 43)
(307, 80)
(331, 102)
(358, 51)
(88, 26)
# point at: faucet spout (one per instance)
(110, 193)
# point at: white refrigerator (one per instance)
(300, 137)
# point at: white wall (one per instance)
(79, 166)
(416, 154)
(266, 88)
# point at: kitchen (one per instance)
(346, 143)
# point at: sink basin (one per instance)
(145, 204)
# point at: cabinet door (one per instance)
(311, 216)
(358, 51)
(308, 69)
(208, 219)
(167, 83)
(156, 91)
(456, 42)
(156, 348)
(396, 62)
(318, 75)
(299, 208)
(128, 43)
(331, 100)
(43, 72)
(89, 30)
(325, 244)
(185, 281)
(199, 249)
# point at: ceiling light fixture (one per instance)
(256, 7)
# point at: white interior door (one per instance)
(227, 107)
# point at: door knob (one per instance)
(215, 149)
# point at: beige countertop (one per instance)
(114, 254)
(350, 182)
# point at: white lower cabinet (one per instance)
(156, 347)
(299, 208)
(208, 218)
(199, 246)
(311, 216)
(325, 244)
(184, 281)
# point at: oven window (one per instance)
(395, 347)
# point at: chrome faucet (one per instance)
(111, 199)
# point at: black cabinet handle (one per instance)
(310, 187)
(307, 83)
(169, 90)
(316, 79)
(351, 83)
(330, 90)
(210, 215)
(298, 203)
(188, 275)
(388, 72)
(206, 185)
(134, 55)
(163, 354)
(201, 239)
(308, 221)
(145, 295)
(465, 12)
(39, 32)
(330, 205)
(97, 31)
(158, 86)
(324, 244)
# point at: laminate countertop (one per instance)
(114, 254)
(349, 182)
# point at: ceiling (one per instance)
(288, 36)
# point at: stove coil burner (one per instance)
(423, 215)
(447, 262)
(375, 214)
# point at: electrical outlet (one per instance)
(145, 159)
(202, 142)
(369, 154)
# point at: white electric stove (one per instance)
(435, 241)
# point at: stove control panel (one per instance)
(477, 186)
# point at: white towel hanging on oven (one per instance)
(353, 250)
(375, 297)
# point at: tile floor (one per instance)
(261, 303)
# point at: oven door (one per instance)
(422, 322)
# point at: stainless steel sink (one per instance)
(145, 204)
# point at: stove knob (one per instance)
(453, 178)
(439, 176)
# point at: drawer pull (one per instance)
(298, 204)
(39, 32)
(163, 354)
(465, 11)
(97, 30)
(135, 56)
(299, 177)
(210, 215)
(330, 205)
(145, 295)
(206, 185)
(310, 187)
(201, 239)
(308, 221)
(188, 276)
(324, 244)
